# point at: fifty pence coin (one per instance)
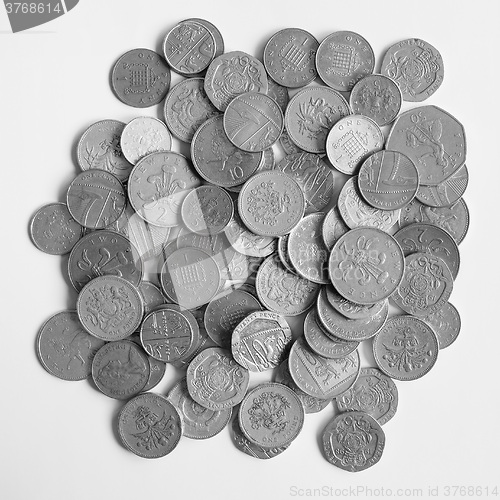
(447, 192)
(446, 324)
(333, 228)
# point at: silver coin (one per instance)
(156, 372)
(343, 328)
(308, 254)
(215, 380)
(287, 144)
(120, 369)
(158, 185)
(333, 228)
(53, 230)
(271, 203)
(140, 78)
(406, 348)
(240, 268)
(351, 140)
(323, 343)
(189, 48)
(343, 58)
(357, 213)
(366, 265)
(453, 219)
(430, 239)
(207, 210)
(219, 161)
(151, 296)
(378, 97)
(373, 393)
(187, 107)
(166, 335)
(95, 199)
(283, 253)
(110, 308)
(313, 175)
(253, 121)
(446, 324)
(353, 441)
(351, 310)
(271, 415)
(150, 426)
(426, 286)
(278, 93)
(103, 253)
(231, 74)
(433, 139)
(416, 66)
(310, 403)
(310, 115)
(289, 57)
(216, 34)
(223, 314)
(203, 342)
(447, 192)
(260, 342)
(321, 377)
(64, 348)
(142, 136)
(199, 422)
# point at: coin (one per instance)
(323, 343)
(351, 310)
(426, 286)
(445, 323)
(283, 253)
(343, 58)
(217, 160)
(271, 415)
(283, 292)
(223, 314)
(207, 210)
(373, 393)
(356, 213)
(103, 253)
(310, 115)
(433, 139)
(278, 93)
(240, 268)
(260, 342)
(313, 176)
(189, 48)
(343, 431)
(150, 426)
(271, 203)
(120, 369)
(187, 107)
(110, 308)
(53, 230)
(140, 78)
(447, 192)
(158, 185)
(215, 380)
(231, 74)
(406, 348)
(142, 136)
(453, 219)
(321, 377)
(64, 348)
(216, 34)
(287, 145)
(151, 296)
(333, 228)
(366, 265)
(430, 239)
(289, 57)
(343, 328)
(198, 422)
(95, 199)
(416, 66)
(166, 335)
(378, 97)
(351, 140)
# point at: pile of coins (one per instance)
(233, 242)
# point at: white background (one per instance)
(57, 439)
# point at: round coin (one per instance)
(287, 145)
(110, 308)
(351, 310)
(95, 199)
(150, 426)
(445, 323)
(281, 421)
(333, 228)
(278, 93)
(406, 348)
(283, 253)
(151, 296)
(216, 34)
(447, 192)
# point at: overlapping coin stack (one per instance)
(233, 243)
